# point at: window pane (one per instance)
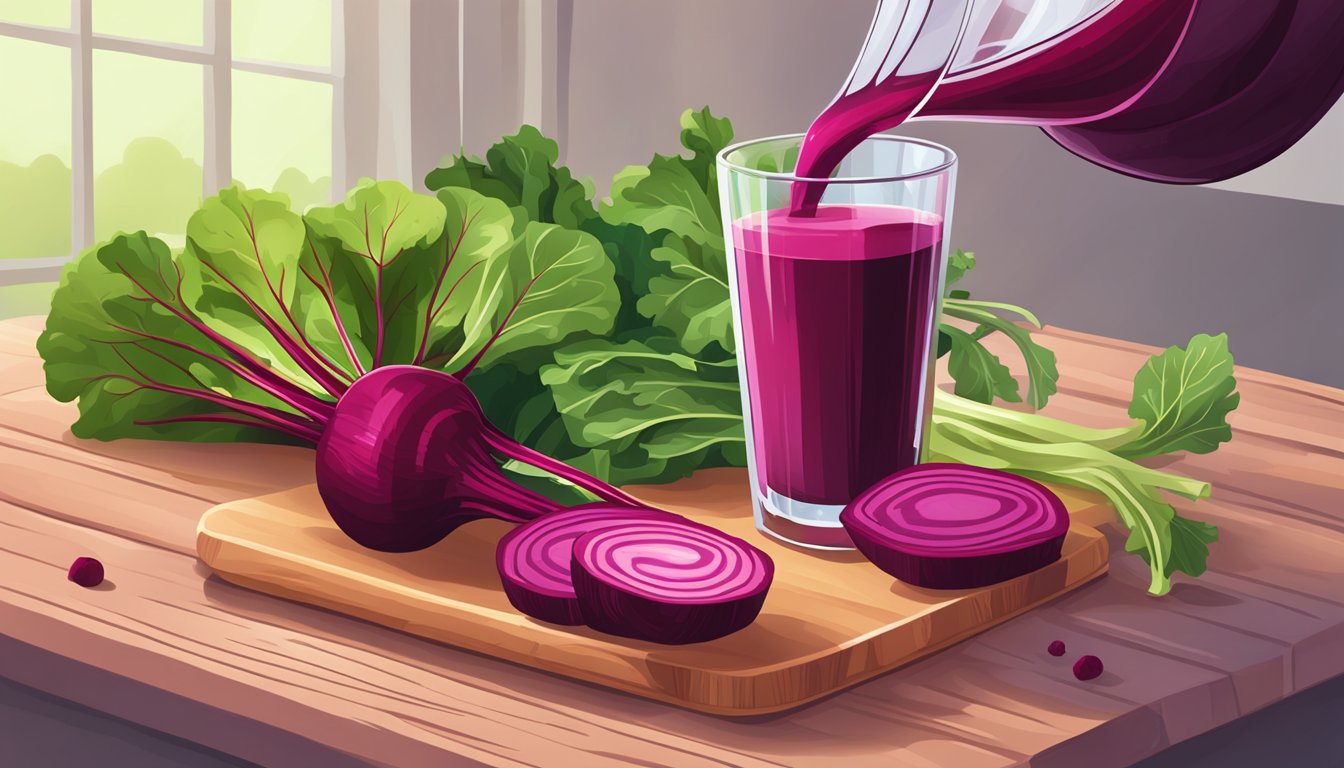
(147, 144)
(282, 136)
(287, 31)
(47, 13)
(172, 21)
(35, 150)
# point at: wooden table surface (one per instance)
(166, 645)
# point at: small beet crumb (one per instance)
(86, 572)
(1056, 648)
(1087, 668)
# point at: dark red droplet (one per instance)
(1056, 648)
(1087, 668)
(86, 572)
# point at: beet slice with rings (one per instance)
(669, 581)
(534, 559)
(955, 526)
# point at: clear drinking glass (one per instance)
(835, 310)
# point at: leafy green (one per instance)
(113, 328)
(670, 271)
(267, 316)
(562, 286)
(676, 198)
(959, 262)
(521, 171)
(977, 373)
(692, 301)
(1183, 397)
(382, 246)
(645, 409)
(1042, 375)
(1190, 540)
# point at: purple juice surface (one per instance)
(837, 311)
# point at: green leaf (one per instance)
(676, 193)
(959, 262)
(1188, 549)
(692, 301)
(676, 201)
(630, 250)
(978, 373)
(521, 171)
(378, 252)
(238, 268)
(705, 136)
(1042, 374)
(1183, 397)
(379, 220)
(657, 412)
(1101, 460)
(434, 291)
(665, 195)
(554, 284)
(112, 328)
(1190, 540)
(523, 175)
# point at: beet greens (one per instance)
(257, 327)
(351, 327)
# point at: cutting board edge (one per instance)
(763, 686)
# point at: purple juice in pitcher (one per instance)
(838, 312)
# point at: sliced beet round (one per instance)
(954, 526)
(669, 581)
(534, 559)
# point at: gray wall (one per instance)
(1084, 248)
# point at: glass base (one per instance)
(801, 523)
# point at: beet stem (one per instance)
(262, 412)
(312, 366)
(506, 445)
(306, 435)
(244, 358)
(504, 498)
(328, 294)
(298, 399)
(450, 252)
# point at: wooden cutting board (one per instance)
(831, 619)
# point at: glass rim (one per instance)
(948, 162)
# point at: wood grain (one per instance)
(282, 684)
(830, 620)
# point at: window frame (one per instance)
(215, 55)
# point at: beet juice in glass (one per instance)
(836, 285)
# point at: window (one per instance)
(128, 112)
(123, 114)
